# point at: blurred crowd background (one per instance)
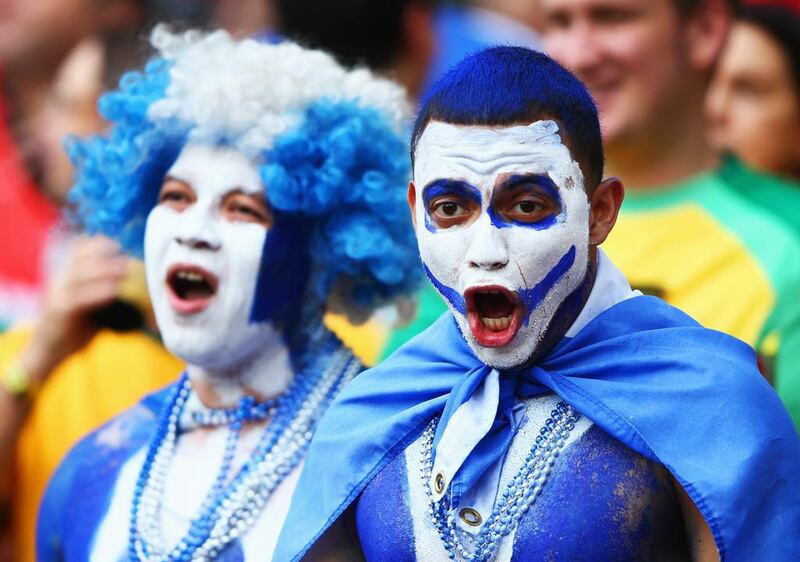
(700, 106)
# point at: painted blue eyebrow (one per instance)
(437, 188)
(530, 183)
(447, 187)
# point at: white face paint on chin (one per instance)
(502, 280)
(213, 333)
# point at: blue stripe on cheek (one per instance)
(533, 297)
(531, 183)
(437, 188)
(428, 225)
(451, 295)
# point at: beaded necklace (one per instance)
(233, 504)
(516, 498)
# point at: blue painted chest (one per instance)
(602, 502)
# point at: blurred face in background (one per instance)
(636, 56)
(37, 35)
(39, 32)
(754, 102)
(70, 109)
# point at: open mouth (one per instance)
(191, 288)
(494, 315)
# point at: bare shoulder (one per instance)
(701, 540)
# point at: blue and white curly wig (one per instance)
(331, 144)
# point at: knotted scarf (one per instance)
(687, 397)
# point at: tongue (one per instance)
(493, 305)
(192, 290)
(196, 292)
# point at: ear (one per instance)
(605, 202)
(412, 203)
(706, 29)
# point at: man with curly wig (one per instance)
(264, 186)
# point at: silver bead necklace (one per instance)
(510, 505)
(233, 505)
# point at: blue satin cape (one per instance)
(687, 397)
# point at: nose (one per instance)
(717, 100)
(197, 230)
(196, 243)
(487, 250)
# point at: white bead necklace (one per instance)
(233, 505)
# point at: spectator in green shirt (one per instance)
(753, 104)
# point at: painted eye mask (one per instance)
(526, 200)
(506, 231)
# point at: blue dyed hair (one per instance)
(335, 184)
(503, 86)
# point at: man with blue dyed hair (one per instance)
(553, 413)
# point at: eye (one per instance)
(176, 195)
(527, 207)
(173, 196)
(452, 210)
(449, 209)
(558, 20)
(748, 87)
(241, 207)
(608, 15)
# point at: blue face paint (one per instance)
(531, 183)
(283, 276)
(531, 298)
(438, 188)
(451, 295)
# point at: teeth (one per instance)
(189, 276)
(497, 324)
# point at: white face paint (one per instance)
(503, 279)
(208, 328)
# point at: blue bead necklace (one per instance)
(234, 502)
(248, 410)
(515, 500)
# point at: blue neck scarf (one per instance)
(687, 397)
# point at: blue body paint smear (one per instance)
(79, 494)
(531, 183)
(451, 295)
(531, 298)
(437, 188)
(603, 502)
(383, 518)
